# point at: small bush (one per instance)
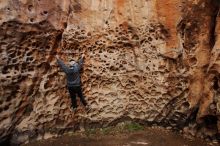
(133, 127)
(107, 130)
(89, 132)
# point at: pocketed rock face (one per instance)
(143, 62)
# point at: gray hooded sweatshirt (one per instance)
(72, 72)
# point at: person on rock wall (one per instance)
(73, 80)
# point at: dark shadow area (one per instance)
(5, 142)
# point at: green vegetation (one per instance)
(90, 132)
(107, 130)
(133, 127)
(119, 128)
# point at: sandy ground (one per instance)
(146, 137)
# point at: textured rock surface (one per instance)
(153, 61)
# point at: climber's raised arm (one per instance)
(81, 60)
(62, 64)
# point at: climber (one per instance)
(73, 80)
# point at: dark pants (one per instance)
(76, 90)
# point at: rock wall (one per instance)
(152, 61)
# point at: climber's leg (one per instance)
(73, 97)
(80, 94)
